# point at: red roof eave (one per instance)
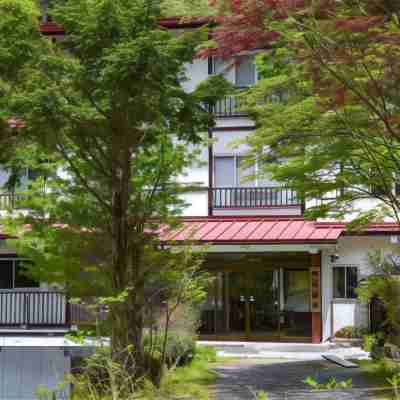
(245, 230)
(51, 28)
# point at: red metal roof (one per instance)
(267, 230)
(253, 230)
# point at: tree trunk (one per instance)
(127, 250)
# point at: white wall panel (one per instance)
(22, 371)
(352, 251)
(198, 204)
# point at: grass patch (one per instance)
(192, 381)
(378, 373)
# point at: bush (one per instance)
(205, 353)
(372, 340)
(351, 332)
(180, 349)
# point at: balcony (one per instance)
(33, 309)
(254, 197)
(38, 309)
(229, 107)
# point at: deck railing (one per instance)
(253, 197)
(11, 200)
(33, 308)
(229, 106)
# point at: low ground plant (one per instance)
(351, 332)
(330, 384)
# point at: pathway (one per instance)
(282, 380)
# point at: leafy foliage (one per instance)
(384, 285)
(326, 106)
(108, 119)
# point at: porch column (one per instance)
(315, 272)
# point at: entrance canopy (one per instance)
(251, 230)
(265, 230)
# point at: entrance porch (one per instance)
(263, 297)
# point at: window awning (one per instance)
(253, 230)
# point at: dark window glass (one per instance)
(339, 282)
(6, 274)
(22, 278)
(345, 282)
(352, 279)
(34, 174)
(397, 188)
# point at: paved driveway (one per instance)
(282, 379)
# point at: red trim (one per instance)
(182, 22)
(51, 28)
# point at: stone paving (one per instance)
(282, 380)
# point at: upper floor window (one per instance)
(345, 281)
(245, 71)
(13, 274)
(241, 70)
(233, 171)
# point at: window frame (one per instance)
(15, 261)
(346, 287)
(232, 66)
(236, 162)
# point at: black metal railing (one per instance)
(26, 308)
(253, 197)
(230, 106)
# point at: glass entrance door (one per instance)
(237, 303)
(263, 297)
(258, 304)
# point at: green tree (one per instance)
(104, 106)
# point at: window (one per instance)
(345, 282)
(13, 274)
(245, 71)
(224, 170)
(245, 173)
(230, 171)
(241, 69)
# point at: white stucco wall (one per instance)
(197, 203)
(352, 251)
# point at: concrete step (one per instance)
(254, 347)
(289, 351)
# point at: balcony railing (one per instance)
(254, 197)
(50, 309)
(230, 106)
(11, 200)
(30, 309)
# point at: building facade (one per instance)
(278, 277)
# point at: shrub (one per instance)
(206, 353)
(180, 349)
(351, 332)
(371, 341)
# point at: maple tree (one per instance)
(334, 67)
